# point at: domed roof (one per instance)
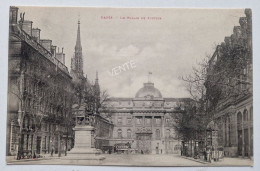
(148, 90)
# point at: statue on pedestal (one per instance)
(83, 148)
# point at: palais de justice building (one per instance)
(146, 121)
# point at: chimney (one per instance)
(227, 41)
(237, 31)
(53, 50)
(36, 34)
(27, 27)
(248, 13)
(63, 57)
(46, 43)
(243, 22)
(60, 56)
(13, 13)
(233, 39)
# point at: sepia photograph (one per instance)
(130, 86)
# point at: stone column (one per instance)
(243, 136)
(29, 142)
(24, 141)
(162, 123)
(224, 131)
(236, 129)
(59, 144)
(163, 135)
(133, 123)
(153, 136)
(143, 124)
(249, 141)
(227, 131)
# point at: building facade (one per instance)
(145, 121)
(234, 110)
(40, 93)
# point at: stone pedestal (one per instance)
(82, 149)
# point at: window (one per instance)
(119, 121)
(119, 133)
(148, 121)
(167, 133)
(129, 133)
(167, 121)
(129, 121)
(157, 121)
(138, 120)
(45, 143)
(157, 134)
(251, 113)
(245, 114)
(239, 118)
(244, 78)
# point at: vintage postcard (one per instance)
(130, 86)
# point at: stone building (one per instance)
(145, 121)
(234, 110)
(40, 93)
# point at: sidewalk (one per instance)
(226, 161)
(12, 159)
(196, 160)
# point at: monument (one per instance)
(83, 148)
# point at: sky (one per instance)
(125, 44)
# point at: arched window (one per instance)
(167, 133)
(157, 134)
(239, 120)
(119, 133)
(228, 131)
(119, 121)
(245, 115)
(129, 133)
(24, 120)
(251, 113)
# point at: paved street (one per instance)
(140, 160)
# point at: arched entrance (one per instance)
(144, 143)
(246, 135)
(239, 133)
(251, 133)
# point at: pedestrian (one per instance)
(210, 155)
(29, 155)
(52, 150)
(205, 154)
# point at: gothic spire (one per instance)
(96, 81)
(78, 42)
(77, 60)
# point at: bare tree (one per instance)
(225, 76)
